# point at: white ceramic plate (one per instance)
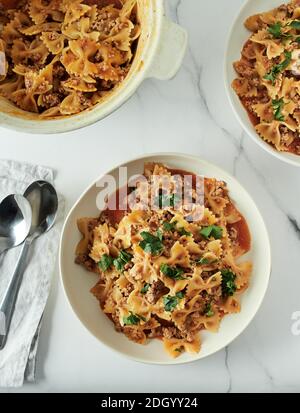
(237, 38)
(77, 281)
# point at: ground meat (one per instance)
(155, 291)
(154, 223)
(287, 136)
(135, 335)
(59, 71)
(244, 69)
(116, 320)
(105, 23)
(127, 290)
(220, 189)
(171, 332)
(51, 99)
(155, 332)
(86, 262)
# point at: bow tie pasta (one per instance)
(165, 272)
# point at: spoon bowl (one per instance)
(15, 221)
(43, 200)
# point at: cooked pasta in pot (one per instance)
(166, 272)
(60, 57)
(268, 82)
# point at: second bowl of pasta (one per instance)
(262, 75)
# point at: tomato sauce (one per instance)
(243, 233)
(253, 118)
(116, 212)
(9, 4)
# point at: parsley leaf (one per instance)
(278, 105)
(280, 67)
(205, 261)
(171, 302)
(295, 24)
(228, 282)
(145, 288)
(105, 262)
(133, 319)
(151, 244)
(276, 31)
(208, 311)
(212, 231)
(182, 232)
(172, 272)
(163, 200)
(169, 226)
(123, 258)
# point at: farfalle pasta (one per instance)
(165, 272)
(87, 45)
(268, 82)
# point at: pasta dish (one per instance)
(171, 270)
(268, 82)
(61, 57)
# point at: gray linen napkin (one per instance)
(17, 359)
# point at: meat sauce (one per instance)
(241, 226)
(293, 148)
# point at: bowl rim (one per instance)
(248, 127)
(267, 253)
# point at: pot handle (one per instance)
(171, 51)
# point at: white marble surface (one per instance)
(188, 114)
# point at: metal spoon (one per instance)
(44, 203)
(15, 221)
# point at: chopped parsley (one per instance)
(212, 231)
(172, 272)
(182, 232)
(205, 261)
(133, 319)
(295, 24)
(169, 226)
(228, 282)
(106, 261)
(123, 258)
(171, 302)
(208, 311)
(163, 200)
(145, 288)
(280, 67)
(152, 244)
(276, 31)
(278, 105)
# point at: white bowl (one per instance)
(237, 38)
(77, 281)
(160, 52)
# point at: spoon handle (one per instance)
(7, 305)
